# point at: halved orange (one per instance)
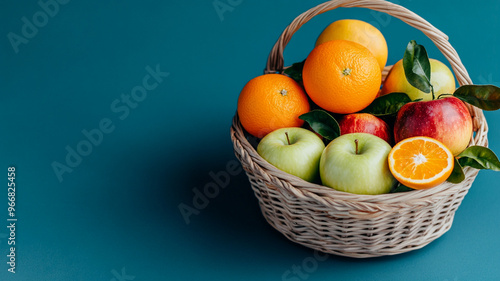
(420, 162)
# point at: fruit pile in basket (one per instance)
(333, 120)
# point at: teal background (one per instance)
(116, 215)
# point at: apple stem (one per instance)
(356, 142)
(288, 139)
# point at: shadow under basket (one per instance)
(352, 225)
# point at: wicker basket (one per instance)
(347, 224)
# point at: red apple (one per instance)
(447, 120)
(365, 123)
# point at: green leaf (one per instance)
(295, 71)
(466, 161)
(444, 96)
(486, 97)
(400, 188)
(479, 157)
(387, 104)
(322, 123)
(457, 175)
(417, 67)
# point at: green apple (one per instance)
(293, 150)
(357, 163)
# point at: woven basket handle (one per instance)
(275, 60)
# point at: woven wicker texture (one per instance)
(347, 224)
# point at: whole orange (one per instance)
(270, 102)
(341, 76)
(360, 32)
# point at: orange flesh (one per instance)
(430, 162)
